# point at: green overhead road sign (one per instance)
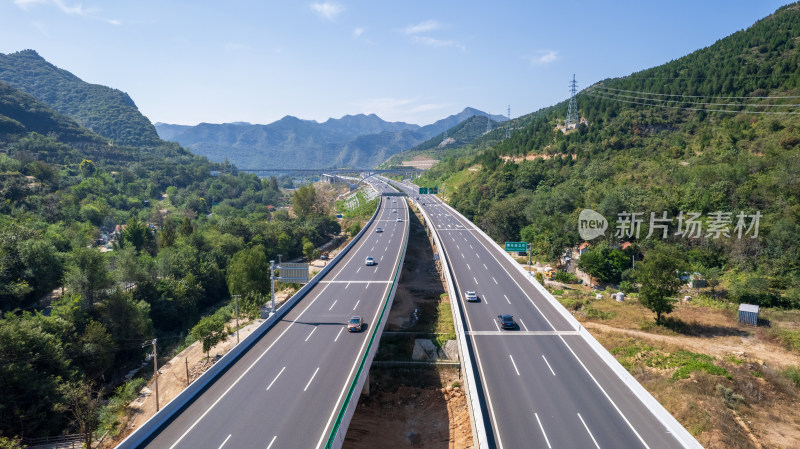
(423, 190)
(434, 190)
(517, 246)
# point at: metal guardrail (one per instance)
(667, 420)
(479, 434)
(339, 429)
(157, 421)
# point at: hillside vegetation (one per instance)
(104, 247)
(108, 112)
(714, 132)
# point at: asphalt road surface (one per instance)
(542, 385)
(286, 391)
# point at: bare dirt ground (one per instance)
(753, 406)
(412, 407)
(420, 162)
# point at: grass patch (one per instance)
(445, 328)
(793, 374)
(790, 339)
(686, 363)
(733, 359)
(558, 292)
(111, 415)
(593, 313)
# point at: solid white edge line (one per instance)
(588, 431)
(543, 432)
(337, 335)
(309, 334)
(272, 442)
(241, 376)
(226, 440)
(515, 365)
(334, 303)
(363, 345)
(625, 418)
(276, 378)
(548, 365)
(312, 378)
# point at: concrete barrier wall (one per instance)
(157, 421)
(667, 420)
(479, 434)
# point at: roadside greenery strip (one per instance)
(353, 385)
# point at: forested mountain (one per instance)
(108, 112)
(360, 141)
(105, 246)
(715, 133)
(474, 130)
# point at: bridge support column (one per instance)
(365, 390)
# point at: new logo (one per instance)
(591, 224)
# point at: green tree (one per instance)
(659, 281)
(248, 272)
(604, 264)
(304, 201)
(87, 168)
(87, 274)
(210, 330)
(309, 251)
(82, 401)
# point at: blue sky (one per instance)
(416, 61)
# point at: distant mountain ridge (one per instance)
(358, 141)
(108, 112)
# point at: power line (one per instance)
(696, 96)
(600, 95)
(758, 105)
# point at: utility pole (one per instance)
(272, 281)
(529, 260)
(186, 360)
(236, 299)
(155, 364)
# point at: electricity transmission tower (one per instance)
(572, 111)
(508, 123)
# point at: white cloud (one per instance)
(327, 10)
(358, 32)
(73, 10)
(544, 57)
(422, 27)
(433, 42)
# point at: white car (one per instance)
(471, 296)
(369, 261)
(378, 229)
(399, 219)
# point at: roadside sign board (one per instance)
(434, 190)
(293, 272)
(423, 190)
(517, 246)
